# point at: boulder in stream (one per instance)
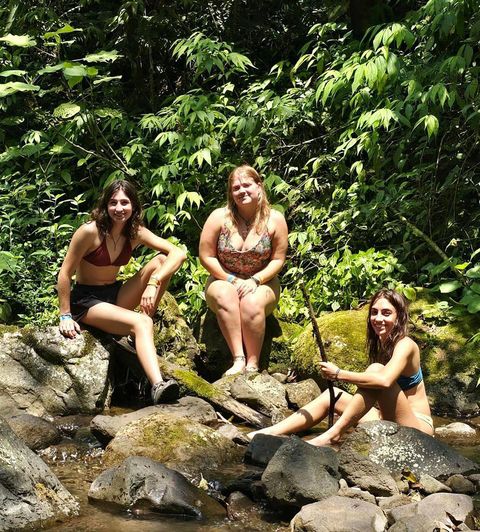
(30, 494)
(336, 513)
(179, 443)
(36, 432)
(396, 447)
(145, 486)
(300, 473)
(105, 428)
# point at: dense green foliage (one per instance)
(366, 133)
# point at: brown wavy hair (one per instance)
(383, 353)
(263, 211)
(100, 213)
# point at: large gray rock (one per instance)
(37, 433)
(300, 473)
(262, 448)
(439, 507)
(142, 483)
(396, 447)
(362, 472)
(45, 373)
(179, 443)
(106, 427)
(30, 494)
(261, 392)
(458, 432)
(339, 514)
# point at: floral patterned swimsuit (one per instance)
(243, 263)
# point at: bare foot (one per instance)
(325, 439)
(238, 366)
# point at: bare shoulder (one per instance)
(86, 232)
(408, 344)
(277, 223)
(216, 218)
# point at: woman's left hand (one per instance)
(329, 370)
(147, 302)
(245, 286)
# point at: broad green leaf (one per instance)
(6, 89)
(410, 293)
(102, 56)
(450, 286)
(8, 73)
(23, 41)
(473, 273)
(66, 110)
(75, 71)
(8, 261)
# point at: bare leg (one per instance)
(307, 416)
(253, 310)
(222, 298)
(131, 292)
(117, 320)
(361, 403)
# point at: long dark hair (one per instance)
(100, 213)
(376, 351)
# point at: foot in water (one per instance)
(165, 391)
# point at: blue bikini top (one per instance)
(406, 383)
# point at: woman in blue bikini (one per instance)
(391, 388)
(243, 246)
(96, 252)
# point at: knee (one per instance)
(252, 311)
(375, 367)
(225, 300)
(143, 323)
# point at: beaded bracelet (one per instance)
(336, 374)
(230, 278)
(66, 316)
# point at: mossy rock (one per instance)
(172, 336)
(343, 335)
(182, 444)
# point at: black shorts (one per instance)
(85, 296)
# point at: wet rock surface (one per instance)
(36, 432)
(144, 485)
(395, 447)
(262, 448)
(30, 494)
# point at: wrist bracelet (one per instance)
(66, 316)
(336, 374)
(230, 278)
(150, 283)
(153, 281)
(257, 279)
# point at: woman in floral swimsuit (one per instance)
(243, 246)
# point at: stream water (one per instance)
(78, 462)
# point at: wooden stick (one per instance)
(323, 354)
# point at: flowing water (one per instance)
(78, 462)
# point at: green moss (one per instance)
(8, 329)
(165, 441)
(88, 344)
(343, 335)
(196, 384)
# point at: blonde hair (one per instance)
(263, 210)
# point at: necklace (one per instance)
(115, 242)
(247, 223)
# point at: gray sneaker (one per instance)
(165, 391)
